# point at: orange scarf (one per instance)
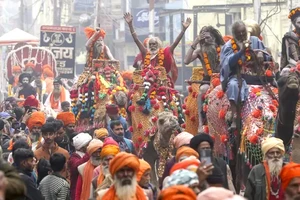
(100, 178)
(62, 97)
(268, 179)
(111, 194)
(87, 178)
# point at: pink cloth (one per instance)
(168, 60)
(96, 171)
(181, 139)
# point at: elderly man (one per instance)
(290, 181)
(57, 96)
(103, 178)
(84, 189)
(156, 51)
(210, 42)
(235, 56)
(124, 168)
(34, 123)
(80, 141)
(264, 181)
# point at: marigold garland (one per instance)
(161, 57)
(235, 50)
(206, 61)
(293, 12)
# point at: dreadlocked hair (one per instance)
(215, 32)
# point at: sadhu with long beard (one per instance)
(264, 181)
(157, 55)
(57, 96)
(124, 168)
(210, 43)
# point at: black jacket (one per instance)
(32, 192)
(256, 184)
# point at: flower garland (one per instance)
(235, 50)
(206, 61)
(161, 58)
(293, 12)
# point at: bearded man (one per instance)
(84, 189)
(290, 41)
(156, 52)
(234, 57)
(103, 178)
(263, 180)
(95, 46)
(25, 89)
(123, 168)
(80, 141)
(290, 177)
(210, 43)
(68, 118)
(34, 123)
(57, 96)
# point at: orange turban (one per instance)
(93, 146)
(288, 172)
(177, 192)
(48, 72)
(144, 166)
(66, 117)
(124, 159)
(36, 119)
(17, 69)
(127, 75)
(185, 164)
(46, 67)
(101, 132)
(110, 147)
(185, 151)
(29, 64)
(89, 32)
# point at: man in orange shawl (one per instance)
(124, 168)
(84, 189)
(57, 96)
(290, 181)
(263, 180)
(103, 178)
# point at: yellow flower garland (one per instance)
(161, 58)
(206, 61)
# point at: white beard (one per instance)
(240, 44)
(105, 171)
(154, 53)
(275, 167)
(125, 192)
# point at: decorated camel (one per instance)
(99, 85)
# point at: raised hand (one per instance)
(187, 23)
(128, 18)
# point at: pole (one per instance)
(22, 15)
(182, 58)
(171, 28)
(257, 10)
(151, 18)
(97, 14)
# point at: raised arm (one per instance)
(92, 40)
(128, 18)
(192, 53)
(185, 25)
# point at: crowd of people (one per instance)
(43, 157)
